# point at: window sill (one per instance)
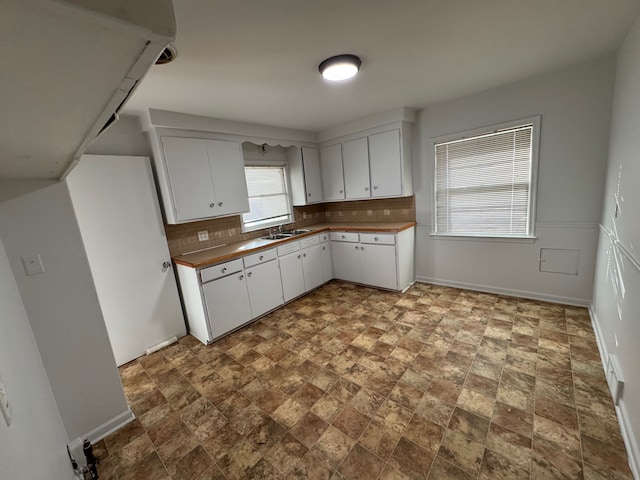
(483, 238)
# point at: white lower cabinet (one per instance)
(292, 275)
(382, 260)
(327, 260)
(265, 289)
(227, 304)
(312, 267)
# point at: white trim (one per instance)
(616, 243)
(631, 446)
(579, 302)
(100, 432)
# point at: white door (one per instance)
(312, 178)
(346, 261)
(190, 177)
(312, 266)
(332, 176)
(292, 275)
(265, 288)
(116, 205)
(355, 158)
(386, 165)
(378, 265)
(227, 175)
(327, 261)
(227, 303)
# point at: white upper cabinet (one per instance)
(304, 171)
(332, 176)
(385, 160)
(355, 159)
(205, 178)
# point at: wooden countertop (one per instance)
(214, 255)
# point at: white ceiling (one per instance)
(256, 61)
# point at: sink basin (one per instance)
(289, 234)
(278, 236)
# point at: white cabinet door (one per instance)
(265, 288)
(227, 176)
(292, 275)
(312, 176)
(332, 176)
(190, 177)
(227, 301)
(312, 267)
(355, 158)
(206, 177)
(386, 164)
(378, 265)
(327, 261)
(346, 261)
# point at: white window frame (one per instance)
(253, 226)
(533, 181)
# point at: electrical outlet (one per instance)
(203, 236)
(5, 406)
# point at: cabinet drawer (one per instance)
(217, 271)
(260, 257)
(379, 238)
(288, 247)
(324, 237)
(344, 237)
(310, 241)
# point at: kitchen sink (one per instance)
(277, 236)
(282, 235)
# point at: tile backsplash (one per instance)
(183, 238)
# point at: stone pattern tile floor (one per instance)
(352, 383)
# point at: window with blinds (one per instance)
(268, 197)
(483, 184)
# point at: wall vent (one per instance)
(614, 379)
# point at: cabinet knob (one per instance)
(366, 189)
(298, 256)
(375, 187)
(343, 236)
(249, 274)
(224, 270)
(341, 191)
(212, 205)
(261, 257)
(356, 247)
(375, 239)
(166, 264)
(309, 194)
(361, 248)
(241, 277)
(324, 248)
(220, 204)
(304, 255)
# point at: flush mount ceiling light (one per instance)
(340, 67)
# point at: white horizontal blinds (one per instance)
(483, 183)
(267, 193)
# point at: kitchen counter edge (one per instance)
(214, 255)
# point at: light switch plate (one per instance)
(33, 264)
(5, 406)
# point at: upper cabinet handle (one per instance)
(219, 204)
(261, 257)
(212, 205)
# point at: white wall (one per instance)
(63, 309)
(34, 446)
(616, 300)
(575, 106)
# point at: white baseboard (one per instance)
(580, 302)
(100, 432)
(621, 409)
